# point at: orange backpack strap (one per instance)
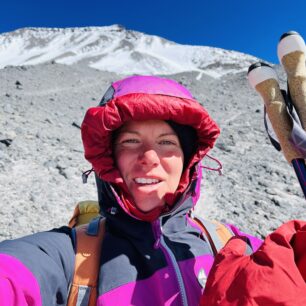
(217, 233)
(88, 245)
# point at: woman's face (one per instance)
(150, 159)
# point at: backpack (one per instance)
(88, 228)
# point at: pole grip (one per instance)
(291, 53)
(277, 112)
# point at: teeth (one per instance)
(146, 181)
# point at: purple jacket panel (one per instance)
(18, 285)
(160, 288)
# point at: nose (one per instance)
(149, 157)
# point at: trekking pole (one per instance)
(291, 54)
(264, 80)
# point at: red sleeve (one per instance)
(274, 275)
(298, 244)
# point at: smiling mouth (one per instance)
(146, 181)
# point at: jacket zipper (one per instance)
(160, 242)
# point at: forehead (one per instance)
(148, 125)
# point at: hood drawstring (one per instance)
(86, 174)
(219, 169)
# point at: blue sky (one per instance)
(252, 27)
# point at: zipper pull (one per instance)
(157, 243)
(157, 229)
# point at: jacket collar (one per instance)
(123, 222)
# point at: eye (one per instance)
(130, 140)
(167, 142)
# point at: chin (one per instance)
(146, 208)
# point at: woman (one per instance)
(145, 142)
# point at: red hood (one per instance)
(101, 121)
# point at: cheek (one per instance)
(174, 168)
(123, 161)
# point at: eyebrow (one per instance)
(137, 133)
(131, 132)
(168, 134)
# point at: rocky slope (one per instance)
(41, 160)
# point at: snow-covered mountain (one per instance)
(115, 49)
